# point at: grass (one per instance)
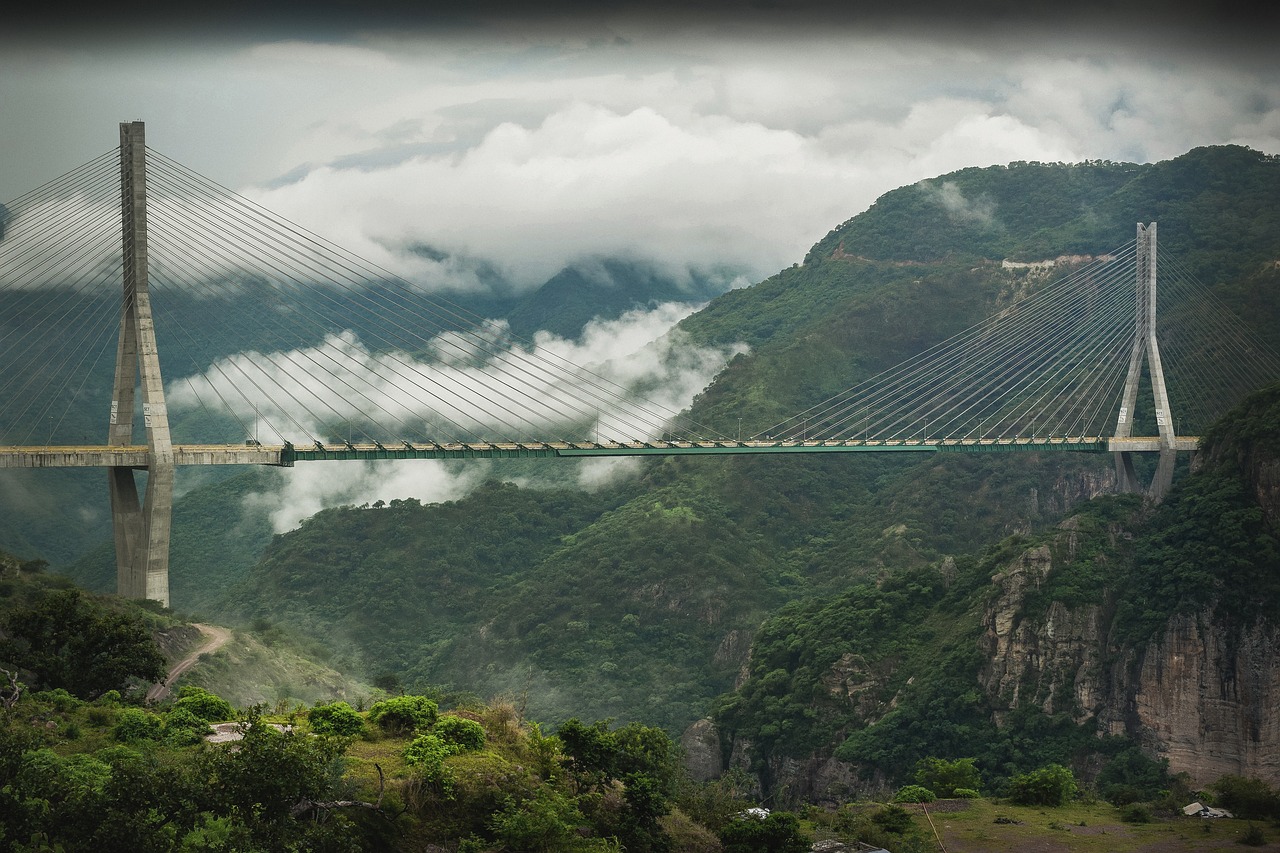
(1079, 826)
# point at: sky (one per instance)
(726, 139)
(734, 137)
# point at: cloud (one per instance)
(952, 199)
(623, 379)
(549, 389)
(305, 490)
(723, 142)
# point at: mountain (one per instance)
(1119, 627)
(640, 601)
(604, 289)
(62, 515)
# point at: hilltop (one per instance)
(639, 601)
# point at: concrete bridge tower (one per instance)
(141, 527)
(1144, 343)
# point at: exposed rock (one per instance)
(702, 756)
(1211, 700)
(851, 679)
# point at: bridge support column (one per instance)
(1145, 343)
(141, 527)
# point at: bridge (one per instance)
(368, 366)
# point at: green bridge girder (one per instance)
(291, 454)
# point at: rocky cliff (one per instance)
(1205, 694)
(1160, 625)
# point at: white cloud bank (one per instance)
(725, 158)
(651, 370)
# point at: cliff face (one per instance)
(1203, 694)
(1078, 623)
(1208, 698)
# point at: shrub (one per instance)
(59, 699)
(1135, 813)
(1049, 786)
(779, 832)
(110, 699)
(1253, 837)
(337, 718)
(1251, 799)
(209, 707)
(548, 820)
(135, 725)
(966, 794)
(460, 732)
(893, 819)
(1122, 795)
(184, 728)
(943, 777)
(914, 794)
(426, 754)
(402, 715)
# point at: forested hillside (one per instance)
(639, 601)
(1068, 646)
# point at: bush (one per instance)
(426, 754)
(460, 732)
(184, 728)
(966, 794)
(1251, 799)
(943, 777)
(110, 699)
(1122, 795)
(894, 819)
(59, 699)
(401, 715)
(135, 725)
(779, 832)
(1135, 813)
(209, 707)
(1049, 786)
(338, 718)
(1253, 837)
(914, 794)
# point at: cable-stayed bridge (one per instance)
(328, 356)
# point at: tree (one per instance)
(943, 777)
(337, 718)
(1049, 786)
(68, 641)
(779, 832)
(401, 715)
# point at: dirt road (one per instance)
(215, 638)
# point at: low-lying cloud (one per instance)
(651, 371)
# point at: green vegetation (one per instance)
(102, 777)
(852, 590)
(1048, 786)
(67, 641)
(947, 777)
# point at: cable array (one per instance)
(1049, 365)
(60, 260)
(320, 345)
(359, 354)
(1211, 359)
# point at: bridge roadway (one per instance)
(135, 456)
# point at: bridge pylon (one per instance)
(1145, 344)
(141, 528)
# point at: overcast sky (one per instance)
(734, 137)
(730, 139)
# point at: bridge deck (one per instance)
(101, 456)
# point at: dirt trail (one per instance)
(215, 638)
